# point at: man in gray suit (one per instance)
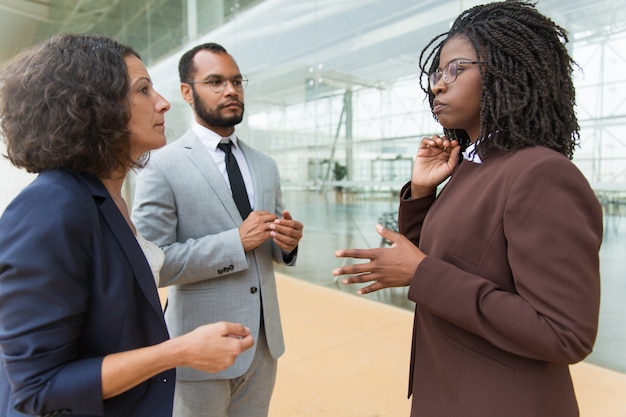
(218, 261)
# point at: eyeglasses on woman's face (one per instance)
(449, 73)
(218, 84)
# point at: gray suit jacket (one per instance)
(184, 205)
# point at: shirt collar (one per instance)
(211, 138)
(471, 154)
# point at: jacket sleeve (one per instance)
(156, 213)
(280, 257)
(44, 288)
(411, 213)
(552, 225)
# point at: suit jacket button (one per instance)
(253, 290)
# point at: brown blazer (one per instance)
(508, 295)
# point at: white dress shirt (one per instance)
(210, 140)
(471, 155)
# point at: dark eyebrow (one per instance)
(222, 76)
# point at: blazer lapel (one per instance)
(128, 242)
(203, 162)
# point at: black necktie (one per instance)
(237, 185)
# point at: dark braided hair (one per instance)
(528, 95)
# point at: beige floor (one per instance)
(348, 357)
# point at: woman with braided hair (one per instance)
(502, 263)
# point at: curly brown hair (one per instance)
(64, 104)
(528, 95)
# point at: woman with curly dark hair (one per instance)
(502, 263)
(81, 325)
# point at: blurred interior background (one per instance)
(334, 97)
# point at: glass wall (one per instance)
(335, 82)
(334, 98)
(155, 28)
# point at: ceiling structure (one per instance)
(332, 44)
(153, 27)
(286, 47)
(362, 42)
(388, 28)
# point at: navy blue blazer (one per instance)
(74, 287)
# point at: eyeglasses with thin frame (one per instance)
(218, 84)
(449, 72)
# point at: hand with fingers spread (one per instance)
(388, 267)
(286, 232)
(435, 161)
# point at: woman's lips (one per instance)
(438, 106)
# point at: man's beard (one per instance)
(214, 118)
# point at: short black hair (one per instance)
(186, 68)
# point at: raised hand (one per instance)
(286, 232)
(388, 267)
(435, 161)
(255, 229)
